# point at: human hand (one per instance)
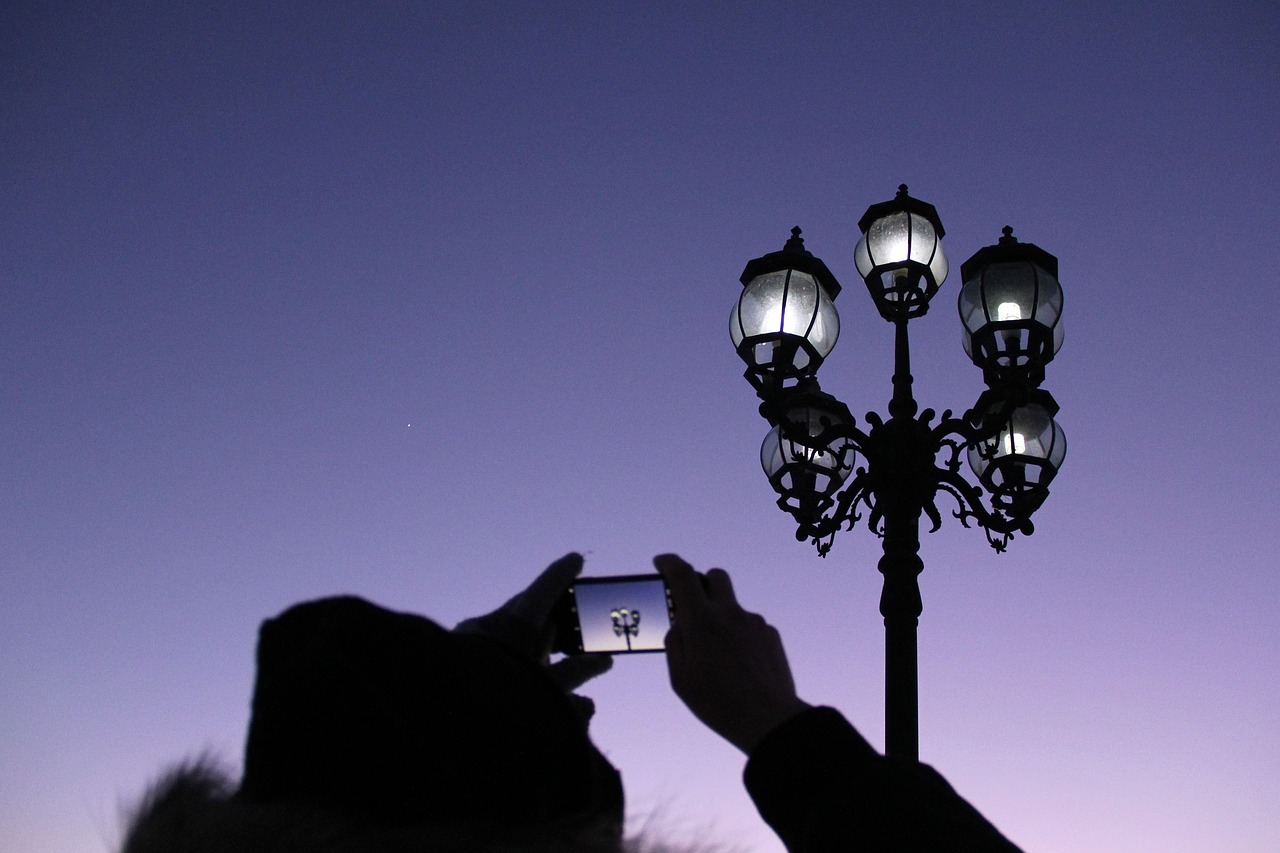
(726, 663)
(523, 625)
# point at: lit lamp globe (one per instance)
(1011, 307)
(1018, 463)
(900, 256)
(808, 454)
(784, 323)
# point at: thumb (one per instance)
(576, 670)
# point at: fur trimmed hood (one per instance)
(192, 808)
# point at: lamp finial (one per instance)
(796, 243)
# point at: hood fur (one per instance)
(192, 808)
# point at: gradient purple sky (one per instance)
(408, 299)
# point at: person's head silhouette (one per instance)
(387, 718)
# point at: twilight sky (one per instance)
(409, 298)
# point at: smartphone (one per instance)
(619, 615)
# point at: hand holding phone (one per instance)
(727, 664)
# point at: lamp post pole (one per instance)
(784, 326)
(900, 602)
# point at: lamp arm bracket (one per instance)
(857, 440)
(973, 427)
(970, 505)
(845, 514)
(840, 431)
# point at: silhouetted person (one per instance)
(815, 780)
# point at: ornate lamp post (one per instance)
(785, 324)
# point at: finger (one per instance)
(684, 584)
(576, 670)
(521, 623)
(514, 633)
(720, 586)
(534, 604)
(584, 706)
(673, 643)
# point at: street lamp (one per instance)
(783, 327)
(626, 623)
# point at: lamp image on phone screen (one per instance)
(622, 614)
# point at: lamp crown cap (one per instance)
(1008, 250)
(793, 255)
(900, 203)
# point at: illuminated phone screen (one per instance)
(627, 614)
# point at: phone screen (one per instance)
(624, 614)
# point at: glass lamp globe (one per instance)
(785, 322)
(900, 256)
(1011, 308)
(807, 455)
(1017, 464)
